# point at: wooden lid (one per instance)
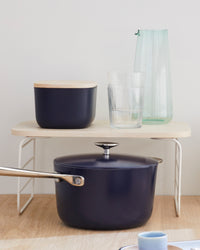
(65, 84)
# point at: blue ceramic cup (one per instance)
(152, 241)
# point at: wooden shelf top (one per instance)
(103, 129)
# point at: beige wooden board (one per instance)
(102, 129)
(39, 227)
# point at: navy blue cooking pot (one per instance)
(118, 192)
(101, 191)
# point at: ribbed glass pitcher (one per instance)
(152, 58)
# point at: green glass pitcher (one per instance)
(152, 58)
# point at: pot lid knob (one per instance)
(106, 146)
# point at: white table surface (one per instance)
(185, 245)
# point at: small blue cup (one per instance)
(152, 241)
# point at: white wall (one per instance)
(69, 39)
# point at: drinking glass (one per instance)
(125, 97)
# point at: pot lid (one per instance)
(104, 161)
(65, 84)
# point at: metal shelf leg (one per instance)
(22, 145)
(177, 178)
(178, 170)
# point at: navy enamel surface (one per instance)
(98, 161)
(110, 199)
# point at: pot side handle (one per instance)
(75, 180)
(159, 160)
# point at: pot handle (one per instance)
(75, 180)
(159, 160)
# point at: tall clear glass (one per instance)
(152, 58)
(125, 96)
